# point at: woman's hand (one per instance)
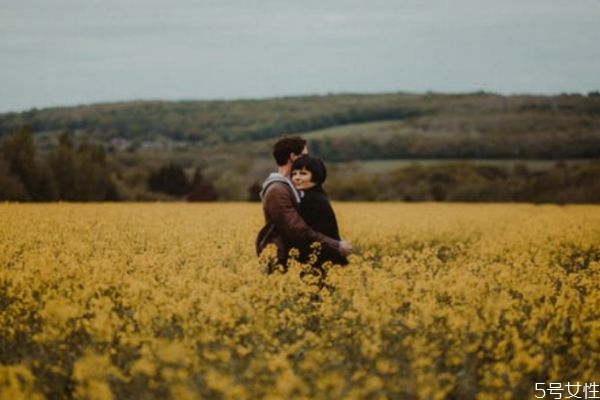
(345, 248)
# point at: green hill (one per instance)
(463, 147)
(343, 127)
(211, 122)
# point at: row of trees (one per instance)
(67, 173)
(467, 182)
(172, 180)
(212, 122)
(82, 172)
(547, 145)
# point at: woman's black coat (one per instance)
(316, 211)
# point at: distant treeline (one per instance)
(208, 150)
(467, 182)
(82, 173)
(212, 122)
(535, 144)
(67, 173)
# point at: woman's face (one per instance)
(302, 179)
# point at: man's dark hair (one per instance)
(314, 165)
(285, 146)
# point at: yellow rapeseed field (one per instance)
(167, 301)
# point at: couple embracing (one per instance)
(297, 210)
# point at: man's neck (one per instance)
(285, 170)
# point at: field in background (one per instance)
(383, 166)
(163, 301)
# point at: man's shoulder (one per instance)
(277, 187)
(271, 179)
(282, 187)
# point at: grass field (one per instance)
(383, 166)
(159, 301)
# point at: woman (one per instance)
(308, 175)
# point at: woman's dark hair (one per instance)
(314, 165)
(285, 146)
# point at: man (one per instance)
(280, 200)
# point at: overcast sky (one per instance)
(69, 52)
